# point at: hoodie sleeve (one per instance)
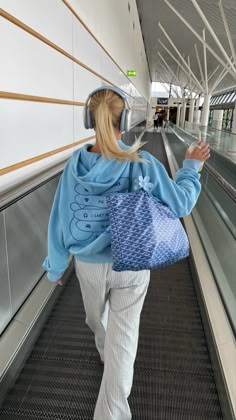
(57, 260)
(180, 195)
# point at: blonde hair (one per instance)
(106, 107)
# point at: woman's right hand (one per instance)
(201, 152)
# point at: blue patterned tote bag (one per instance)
(145, 234)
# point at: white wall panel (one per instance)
(112, 72)
(30, 128)
(112, 23)
(79, 131)
(137, 117)
(85, 48)
(132, 101)
(130, 88)
(84, 83)
(51, 18)
(125, 86)
(31, 67)
(135, 94)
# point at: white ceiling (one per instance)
(153, 12)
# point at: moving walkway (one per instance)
(54, 372)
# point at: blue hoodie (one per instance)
(79, 220)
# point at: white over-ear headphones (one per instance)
(125, 115)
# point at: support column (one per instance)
(197, 113)
(232, 142)
(205, 111)
(234, 122)
(178, 115)
(217, 119)
(191, 111)
(168, 114)
(183, 112)
(150, 112)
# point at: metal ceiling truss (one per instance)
(169, 72)
(171, 80)
(213, 34)
(229, 88)
(180, 56)
(175, 79)
(229, 65)
(199, 65)
(205, 60)
(166, 81)
(219, 79)
(180, 65)
(197, 61)
(211, 74)
(229, 37)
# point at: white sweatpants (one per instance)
(113, 303)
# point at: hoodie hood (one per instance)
(93, 172)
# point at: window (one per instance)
(210, 118)
(212, 100)
(225, 97)
(224, 119)
(231, 95)
(227, 119)
(222, 99)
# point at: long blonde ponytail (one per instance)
(106, 107)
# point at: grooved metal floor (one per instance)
(173, 377)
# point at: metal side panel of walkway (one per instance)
(173, 377)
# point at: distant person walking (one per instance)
(155, 119)
(160, 120)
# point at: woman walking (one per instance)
(79, 225)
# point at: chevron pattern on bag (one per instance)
(145, 234)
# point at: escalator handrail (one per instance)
(21, 195)
(227, 187)
(214, 129)
(215, 150)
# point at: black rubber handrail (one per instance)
(29, 191)
(221, 181)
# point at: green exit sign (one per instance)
(131, 72)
